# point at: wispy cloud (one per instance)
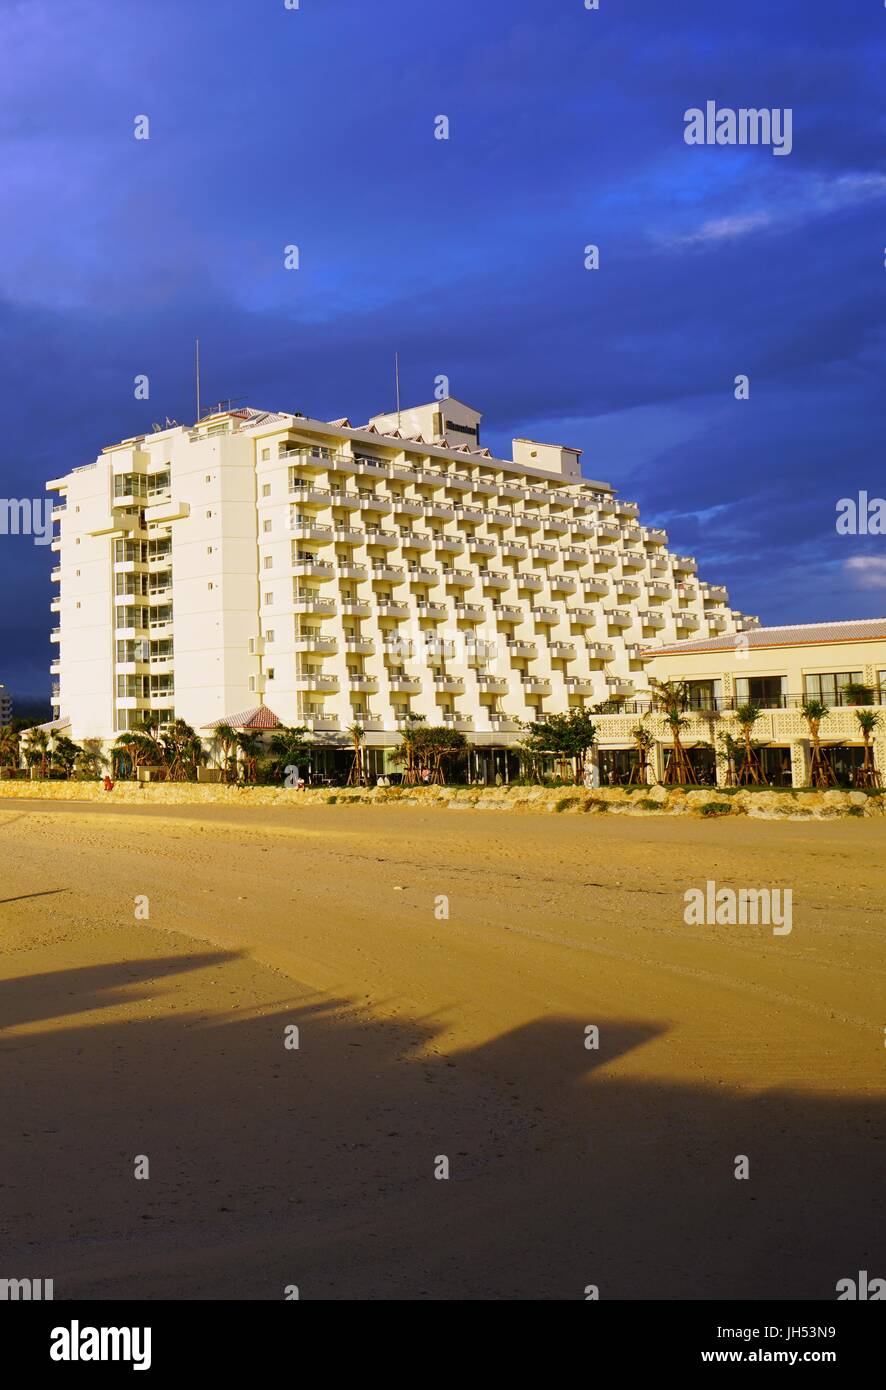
(868, 571)
(801, 200)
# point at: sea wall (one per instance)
(700, 802)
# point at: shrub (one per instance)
(716, 808)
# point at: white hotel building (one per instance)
(336, 575)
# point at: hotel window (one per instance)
(270, 673)
(829, 688)
(266, 490)
(269, 598)
(268, 562)
(269, 635)
(266, 526)
(767, 692)
(266, 454)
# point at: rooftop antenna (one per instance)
(397, 379)
(197, 355)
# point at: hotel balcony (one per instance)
(632, 535)
(517, 647)
(346, 498)
(685, 564)
(556, 524)
(608, 531)
(414, 540)
(545, 615)
(464, 579)
(485, 487)
(436, 611)
(605, 559)
(515, 550)
(348, 571)
(450, 545)
(535, 685)
(562, 651)
(388, 540)
(408, 506)
(55, 605)
(305, 682)
(575, 555)
(313, 605)
(424, 574)
(478, 653)
(439, 511)
(56, 574)
(471, 612)
(511, 489)
(582, 528)
(579, 685)
(396, 649)
(619, 685)
(659, 566)
(637, 652)
(546, 554)
(472, 514)
(356, 608)
(504, 723)
(478, 545)
(494, 579)
(690, 621)
(313, 569)
(454, 684)
(716, 622)
(349, 535)
(493, 684)
(319, 723)
(686, 592)
(531, 582)
(595, 588)
(500, 519)
(362, 646)
(626, 588)
(627, 509)
(376, 502)
(437, 648)
(363, 682)
(55, 668)
(714, 593)
(582, 617)
(526, 521)
(563, 584)
(653, 619)
(654, 535)
(600, 651)
(392, 574)
(619, 617)
(462, 722)
(55, 635)
(507, 613)
(633, 562)
(390, 609)
(159, 595)
(316, 496)
(311, 531)
(657, 590)
(405, 685)
(316, 644)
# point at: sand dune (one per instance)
(422, 1035)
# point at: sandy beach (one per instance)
(442, 969)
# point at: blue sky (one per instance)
(315, 127)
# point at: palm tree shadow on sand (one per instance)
(272, 1166)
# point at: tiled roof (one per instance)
(798, 635)
(259, 718)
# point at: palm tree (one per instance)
(855, 693)
(821, 774)
(64, 753)
(749, 769)
(9, 746)
(92, 759)
(36, 750)
(357, 775)
(868, 775)
(672, 698)
(250, 745)
(643, 741)
(729, 750)
(291, 747)
(407, 753)
(183, 752)
(225, 741)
